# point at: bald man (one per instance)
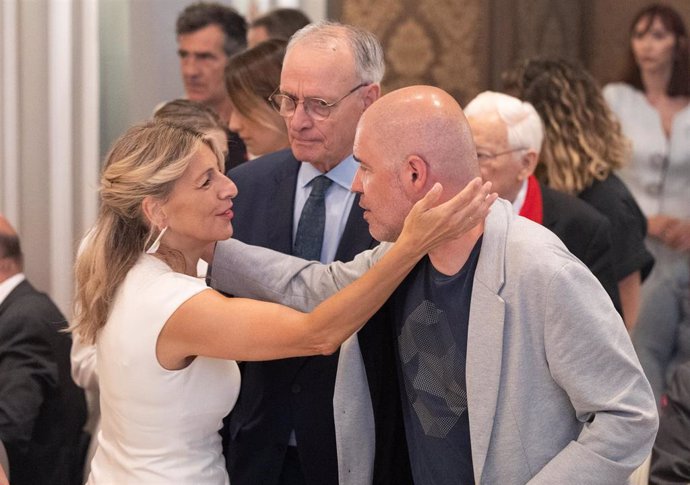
(513, 368)
(42, 412)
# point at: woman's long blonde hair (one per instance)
(146, 161)
(583, 141)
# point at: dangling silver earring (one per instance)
(157, 243)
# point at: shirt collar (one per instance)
(520, 198)
(10, 284)
(342, 174)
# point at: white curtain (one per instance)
(49, 142)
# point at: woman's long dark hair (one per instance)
(679, 85)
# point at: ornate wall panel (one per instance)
(463, 46)
(439, 42)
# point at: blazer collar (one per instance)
(22, 287)
(279, 216)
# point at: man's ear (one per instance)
(153, 211)
(528, 164)
(416, 173)
(373, 92)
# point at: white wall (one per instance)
(49, 144)
(139, 66)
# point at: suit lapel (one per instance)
(485, 335)
(20, 289)
(280, 213)
(356, 237)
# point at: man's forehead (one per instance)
(364, 143)
(317, 67)
(490, 127)
(206, 38)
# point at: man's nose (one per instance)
(189, 66)
(300, 119)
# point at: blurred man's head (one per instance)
(508, 135)
(331, 74)
(407, 141)
(279, 23)
(11, 258)
(207, 35)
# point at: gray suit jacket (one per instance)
(555, 392)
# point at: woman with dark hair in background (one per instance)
(583, 145)
(251, 77)
(652, 106)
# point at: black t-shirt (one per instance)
(628, 225)
(432, 316)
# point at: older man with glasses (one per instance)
(508, 134)
(327, 419)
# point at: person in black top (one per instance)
(582, 148)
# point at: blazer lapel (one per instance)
(280, 215)
(19, 290)
(485, 334)
(356, 237)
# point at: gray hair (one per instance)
(524, 126)
(366, 48)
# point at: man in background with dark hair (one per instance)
(42, 411)
(207, 35)
(279, 23)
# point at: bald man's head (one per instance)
(10, 250)
(427, 122)
(406, 141)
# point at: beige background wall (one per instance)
(464, 45)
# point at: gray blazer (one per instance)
(555, 392)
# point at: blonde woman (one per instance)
(167, 344)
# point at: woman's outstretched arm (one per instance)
(211, 325)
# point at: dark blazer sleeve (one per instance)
(27, 368)
(671, 452)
